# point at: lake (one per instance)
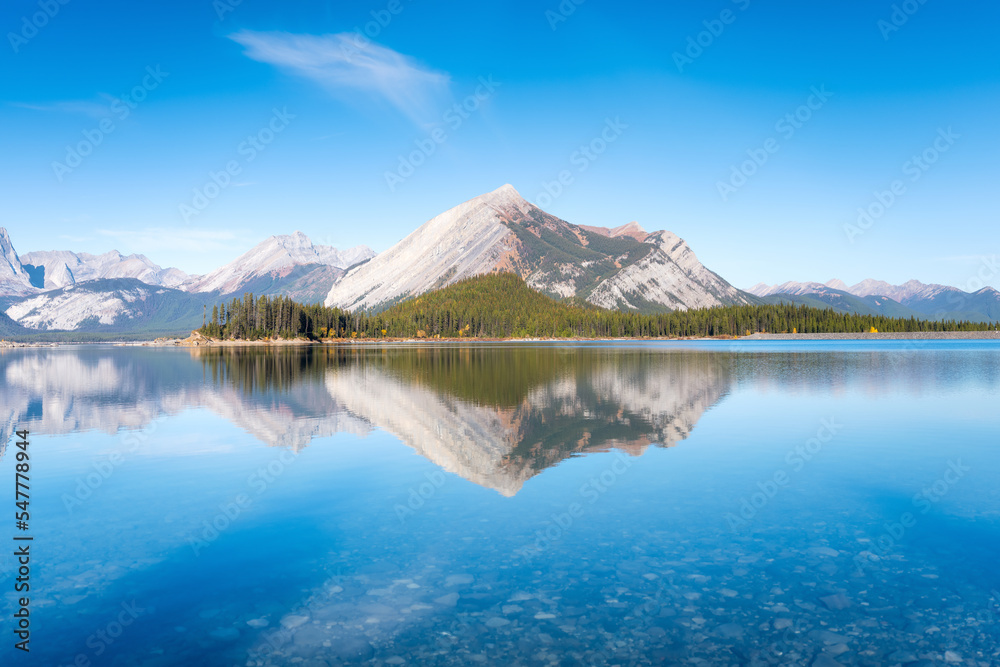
(712, 503)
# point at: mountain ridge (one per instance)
(620, 267)
(61, 268)
(14, 278)
(925, 300)
(276, 254)
(500, 231)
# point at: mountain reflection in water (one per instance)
(496, 415)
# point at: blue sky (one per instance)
(309, 106)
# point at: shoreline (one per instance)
(201, 341)
(915, 335)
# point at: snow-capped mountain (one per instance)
(14, 278)
(925, 301)
(276, 257)
(623, 267)
(791, 287)
(121, 305)
(63, 290)
(60, 268)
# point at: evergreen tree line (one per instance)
(503, 306)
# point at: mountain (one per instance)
(791, 287)
(912, 298)
(907, 291)
(9, 327)
(60, 268)
(305, 283)
(846, 303)
(274, 259)
(45, 270)
(113, 293)
(110, 305)
(501, 232)
(14, 278)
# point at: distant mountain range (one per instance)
(113, 293)
(622, 267)
(875, 297)
(62, 268)
(275, 259)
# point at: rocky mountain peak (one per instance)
(14, 279)
(277, 255)
(632, 229)
(294, 240)
(505, 199)
(505, 192)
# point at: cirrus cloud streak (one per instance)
(345, 61)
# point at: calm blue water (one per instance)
(698, 504)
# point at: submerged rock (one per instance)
(351, 649)
(836, 602)
(730, 631)
(902, 656)
(293, 621)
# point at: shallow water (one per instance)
(610, 504)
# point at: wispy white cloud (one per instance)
(172, 239)
(84, 107)
(342, 61)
